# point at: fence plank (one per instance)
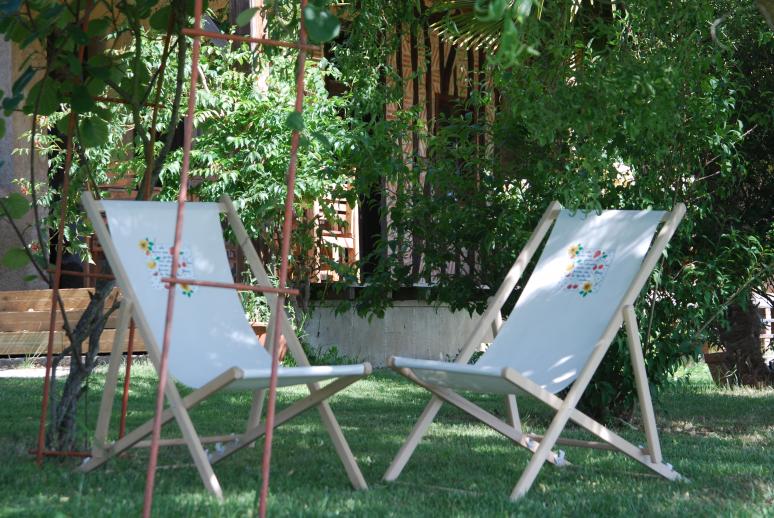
(24, 321)
(34, 343)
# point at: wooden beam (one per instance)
(32, 343)
(40, 300)
(11, 321)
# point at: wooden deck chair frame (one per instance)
(541, 446)
(103, 451)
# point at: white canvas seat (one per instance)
(581, 291)
(212, 346)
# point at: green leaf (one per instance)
(295, 121)
(2, 127)
(103, 113)
(49, 98)
(93, 132)
(100, 67)
(523, 9)
(15, 258)
(10, 104)
(95, 87)
(30, 278)
(16, 205)
(73, 64)
(321, 24)
(17, 32)
(48, 89)
(63, 124)
(160, 19)
(22, 81)
(490, 10)
(245, 16)
(9, 7)
(98, 27)
(81, 100)
(322, 139)
(77, 35)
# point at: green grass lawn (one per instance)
(722, 440)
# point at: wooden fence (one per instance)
(25, 318)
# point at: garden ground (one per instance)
(721, 439)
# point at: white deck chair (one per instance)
(582, 289)
(213, 346)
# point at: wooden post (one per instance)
(641, 379)
(111, 380)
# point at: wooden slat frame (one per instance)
(565, 409)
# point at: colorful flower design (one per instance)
(159, 262)
(586, 271)
(574, 250)
(146, 245)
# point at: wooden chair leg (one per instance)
(256, 410)
(412, 441)
(512, 410)
(341, 446)
(615, 441)
(111, 381)
(195, 447)
(285, 415)
(482, 415)
(563, 414)
(530, 473)
(142, 431)
(641, 379)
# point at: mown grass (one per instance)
(721, 439)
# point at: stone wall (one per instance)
(409, 328)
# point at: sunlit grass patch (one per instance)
(720, 439)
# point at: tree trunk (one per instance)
(741, 340)
(62, 432)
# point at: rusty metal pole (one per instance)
(196, 33)
(58, 262)
(182, 195)
(283, 275)
(55, 290)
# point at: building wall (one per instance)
(14, 167)
(409, 328)
(6, 170)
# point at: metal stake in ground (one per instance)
(183, 193)
(285, 251)
(57, 277)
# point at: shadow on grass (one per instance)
(720, 439)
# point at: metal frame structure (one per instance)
(40, 452)
(196, 33)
